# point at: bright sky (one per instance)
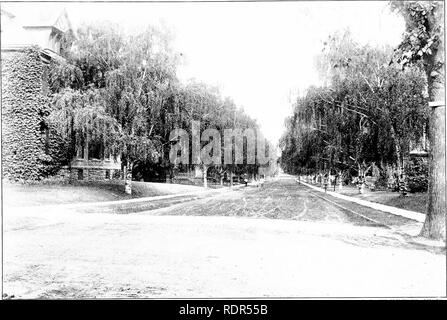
(260, 54)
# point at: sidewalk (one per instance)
(417, 216)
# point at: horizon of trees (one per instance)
(370, 112)
(377, 105)
(121, 91)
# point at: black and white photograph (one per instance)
(163, 150)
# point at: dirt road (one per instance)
(276, 242)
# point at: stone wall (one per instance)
(86, 174)
(94, 174)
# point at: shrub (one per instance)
(416, 171)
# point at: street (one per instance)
(275, 241)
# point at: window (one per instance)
(95, 150)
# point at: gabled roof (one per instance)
(14, 26)
(46, 18)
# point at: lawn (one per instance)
(15, 195)
(412, 201)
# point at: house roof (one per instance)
(15, 25)
(46, 18)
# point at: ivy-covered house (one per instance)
(30, 149)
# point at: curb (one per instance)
(413, 215)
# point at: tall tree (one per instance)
(123, 81)
(367, 112)
(123, 91)
(424, 42)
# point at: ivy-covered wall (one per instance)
(24, 106)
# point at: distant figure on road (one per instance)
(245, 179)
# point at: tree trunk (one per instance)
(434, 226)
(361, 188)
(361, 182)
(169, 175)
(340, 181)
(398, 151)
(205, 180)
(128, 178)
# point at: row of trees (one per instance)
(122, 92)
(375, 103)
(369, 112)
